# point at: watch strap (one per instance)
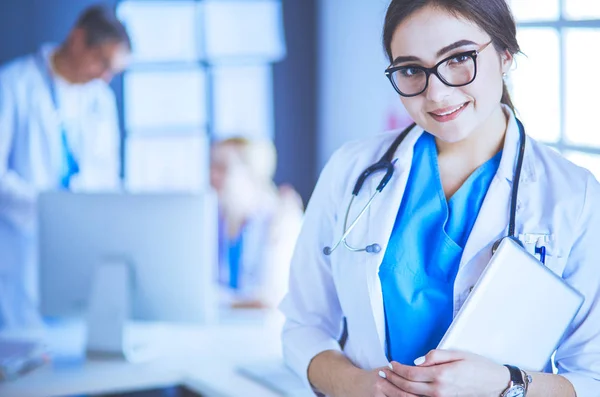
(516, 376)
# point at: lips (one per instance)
(449, 113)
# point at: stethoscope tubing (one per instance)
(329, 250)
(387, 163)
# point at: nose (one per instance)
(437, 91)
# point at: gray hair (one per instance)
(101, 26)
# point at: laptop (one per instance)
(517, 312)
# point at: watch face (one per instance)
(515, 391)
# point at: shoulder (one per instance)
(568, 190)
(349, 161)
(553, 169)
(355, 156)
(17, 71)
(368, 149)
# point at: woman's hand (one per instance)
(449, 373)
(249, 304)
(374, 384)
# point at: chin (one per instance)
(450, 132)
(451, 135)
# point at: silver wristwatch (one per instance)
(517, 387)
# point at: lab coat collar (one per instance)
(43, 56)
(492, 222)
(508, 163)
(44, 65)
(46, 50)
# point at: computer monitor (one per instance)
(167, 241)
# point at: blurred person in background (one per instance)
(258, 223)
(58, 130)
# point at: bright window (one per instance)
(538, 72)
(201, 70)
(555, 85)
(582, 84)
(582, 9)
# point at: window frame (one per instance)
(561, 25)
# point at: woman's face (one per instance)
(450, 113)
(229, 176)
(225, 164)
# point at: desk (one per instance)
(202, 358)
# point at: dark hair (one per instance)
(493, 16)
(101, 26)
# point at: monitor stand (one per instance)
(109, 314)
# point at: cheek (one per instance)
(487, 87)
(414, 106)
(216, 180)
(218, 173)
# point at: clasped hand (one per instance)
(441, 373)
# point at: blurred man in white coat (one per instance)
(58, 130)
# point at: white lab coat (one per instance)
(30, 162)
(555, 197)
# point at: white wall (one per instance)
(355, 98)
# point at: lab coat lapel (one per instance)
(380, 222)
(494, 215)
(46, 110)
(491, 224)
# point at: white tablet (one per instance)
(517, 312)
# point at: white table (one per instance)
(203, 359)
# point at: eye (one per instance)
(408, 72)
(459, 59)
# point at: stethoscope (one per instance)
(72, 163)
(386, 163)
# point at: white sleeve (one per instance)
(283, 234)
(311, 307)
(578, 356)
(17, 196)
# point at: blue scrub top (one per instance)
(69, 166)
(422, 258)
(231, 253)
(242, 258)
(235, 260)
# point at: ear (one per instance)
(506, 59)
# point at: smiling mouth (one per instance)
(450, 111)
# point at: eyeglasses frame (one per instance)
(389, 72)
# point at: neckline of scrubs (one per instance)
(464, 188)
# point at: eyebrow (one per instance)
(445, 50)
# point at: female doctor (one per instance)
(406, 266)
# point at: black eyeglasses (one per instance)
(455, 71)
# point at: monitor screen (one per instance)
(167, 241)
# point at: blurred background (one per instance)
(250, 97)
(310, 81)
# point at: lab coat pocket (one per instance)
(555, 258)
(555, 261)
